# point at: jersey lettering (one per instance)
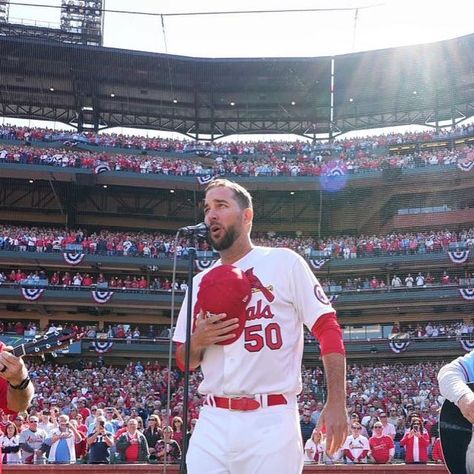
(256, 312)
(255, 341)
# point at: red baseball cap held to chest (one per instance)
(226, 289)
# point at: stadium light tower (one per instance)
(84, 18)
(4, 10)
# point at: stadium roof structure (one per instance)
(96, 87)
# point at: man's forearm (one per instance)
(19, 400)
(26, 447)
(335, 372)
(195, 355)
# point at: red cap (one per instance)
(226, 289)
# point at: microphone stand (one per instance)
(187, 355)
(193, 233)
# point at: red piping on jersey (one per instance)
(329, 334)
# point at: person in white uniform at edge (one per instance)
(264, 363)
(453, 379)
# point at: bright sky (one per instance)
(379, 24)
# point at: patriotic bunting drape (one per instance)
(458, 256)
(204, 264)
(102, 168)
(102, 345)
(32, 294)
(467, 344)
(399, 344)
(102, 297)
(466, 165)
(317, 263)
(467, 293)
(205, 179)
(73, 258)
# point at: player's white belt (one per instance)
(246, 403)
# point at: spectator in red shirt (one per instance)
(382, 448)
(66, 279)
(82, 408)
(416, 442)
(87, 280)
(177, 426)
(54, 280)
(132, 445)
(142, 283)
(445, 279)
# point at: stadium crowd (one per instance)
(125, 331)
(74, 280)
(133, 331)
(161, 245)
(417, 280)
(137, 142)
(258, 165)
(101, 411)
(102, 414)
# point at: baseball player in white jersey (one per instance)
(249, 423)
(453, 379)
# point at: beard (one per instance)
(228, 239)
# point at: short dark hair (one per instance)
(241, 195)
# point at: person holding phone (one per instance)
(63, 440)
(100, 441)
(416, 442)
(114, 420)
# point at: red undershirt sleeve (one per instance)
(179, 361)
(348, 454)
(329, 334)
(364, 453)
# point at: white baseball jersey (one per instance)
(356, 446)
(267, 357)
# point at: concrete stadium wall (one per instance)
(160, 469)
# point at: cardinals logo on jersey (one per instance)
(320, 295)
(257, 285)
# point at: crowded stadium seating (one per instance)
(234, 159)
(82, 388)
(161, 245)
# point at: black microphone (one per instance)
(199, 230)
